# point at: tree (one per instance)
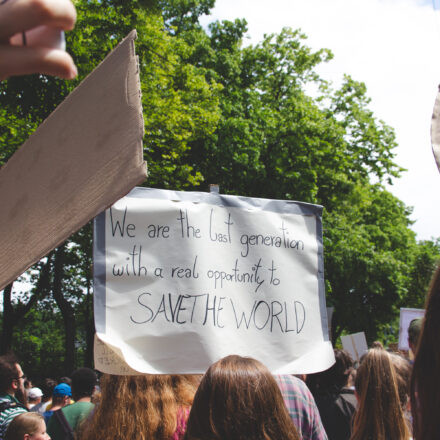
(275, 141)
(368, 247)
(218, 112)
(425, 260)
(179, 106)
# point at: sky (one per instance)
(393, 46)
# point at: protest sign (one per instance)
(435, 130)
(85, 155)
(406, 316)
(355, 344)
(183, 279)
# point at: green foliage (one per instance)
(183, 15)
(368, 247)
(13, 132)
(218, 112)
(39, 344)
(426, 257)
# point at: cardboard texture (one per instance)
(355, 344)
(435, 130)
(86, 155)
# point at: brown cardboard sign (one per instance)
(86, 155)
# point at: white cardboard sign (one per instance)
(355, 344)
(406, 316)
(183, 279)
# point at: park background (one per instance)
(256, 117)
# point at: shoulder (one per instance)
(77, 412)
(9, 413)
(292, 386)
(301, 406)
(77, 407)
(9, 404)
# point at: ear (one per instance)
(26, 437)
(14, 384)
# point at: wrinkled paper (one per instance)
(184, 279)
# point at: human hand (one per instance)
(18, 16)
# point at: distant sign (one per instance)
(355, 344)
(183, 279)
(406, 316)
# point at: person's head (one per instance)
(238, 398)
(65, 379)
(425, 381)
(12, 377)
(141, 407)
(27, 426)
(403, 376)
(414, 329)
(377, 344)
(379, 414)
(333, 379)
(35, 395)
(61, 395)
(47, 387)
(83, 383)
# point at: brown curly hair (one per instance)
(140, 407)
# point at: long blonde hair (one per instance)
(379, 415)
(139, 407)
(26, 423)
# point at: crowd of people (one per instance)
(384, 396)
(237, 398)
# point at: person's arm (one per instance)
(18, 16)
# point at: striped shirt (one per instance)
(302, 407)
(7, 415)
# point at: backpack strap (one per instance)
(67, 429)
(9, 404)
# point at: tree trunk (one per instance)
(66, 309)
(12, 315)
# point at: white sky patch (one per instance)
(391, 45)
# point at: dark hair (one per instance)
(8, 371)
(239, 399)
(379, 414)
(140, 407)
(47, 387)
(425, 381)
(333, 379)
(65, 379)
(414, 329)
(83, 383)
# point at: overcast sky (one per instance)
(391, 45)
